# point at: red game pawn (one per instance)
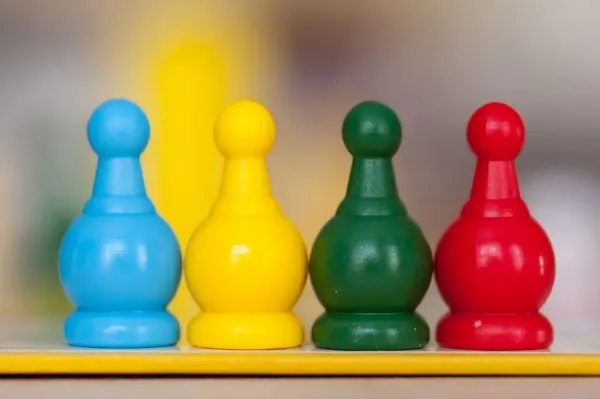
(494, 266)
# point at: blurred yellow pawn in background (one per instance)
(246, 264)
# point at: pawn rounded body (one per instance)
(246, 274)
(121, 272)
(495, 274)
(246, 264)
(370, 274)
(370, 265)
(119, 261)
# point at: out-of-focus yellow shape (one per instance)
(191, 86)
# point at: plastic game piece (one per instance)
(495, 265)
(120, 262)
(246, 264)
(370, 264)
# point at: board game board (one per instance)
(31, 347)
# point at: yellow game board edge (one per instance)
(297, 364)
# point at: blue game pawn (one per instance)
(120, 263)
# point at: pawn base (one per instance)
(513, 332)
(370, 332)
(121, 330)
(246, 331)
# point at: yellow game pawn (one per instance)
(246, 264)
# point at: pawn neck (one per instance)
(119, 188)
(245, 188)
(495, 191)
(371, 189)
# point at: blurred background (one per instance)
(433, 61)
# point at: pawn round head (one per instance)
(496, 132)
(245, 129)
(372, 129)
(118, 128)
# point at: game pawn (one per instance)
(370, 264)
(120, 263)
(246, 264)
(494, 265)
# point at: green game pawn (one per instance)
(370, 264)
